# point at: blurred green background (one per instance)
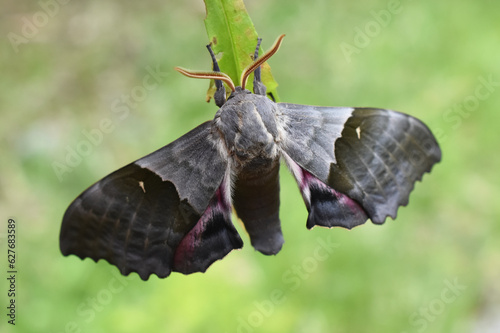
(434, 269)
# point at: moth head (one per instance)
(244, 76)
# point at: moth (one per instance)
(171, 210)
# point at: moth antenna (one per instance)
(257, 63)
(207, 75)
(220, 92)
(255, 57)
(215, 65)
(258, 87)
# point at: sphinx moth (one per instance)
(171, 210)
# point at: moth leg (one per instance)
(258, 87)
(220, 94)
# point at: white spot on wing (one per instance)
(358, 131)
(141, 185)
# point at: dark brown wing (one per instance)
(367, 160)
(168, 211)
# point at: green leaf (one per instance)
(233, 38)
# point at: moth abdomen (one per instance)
(256, 201)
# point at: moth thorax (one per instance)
(248, 126)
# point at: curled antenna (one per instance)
(207, 75)
(256, 64)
